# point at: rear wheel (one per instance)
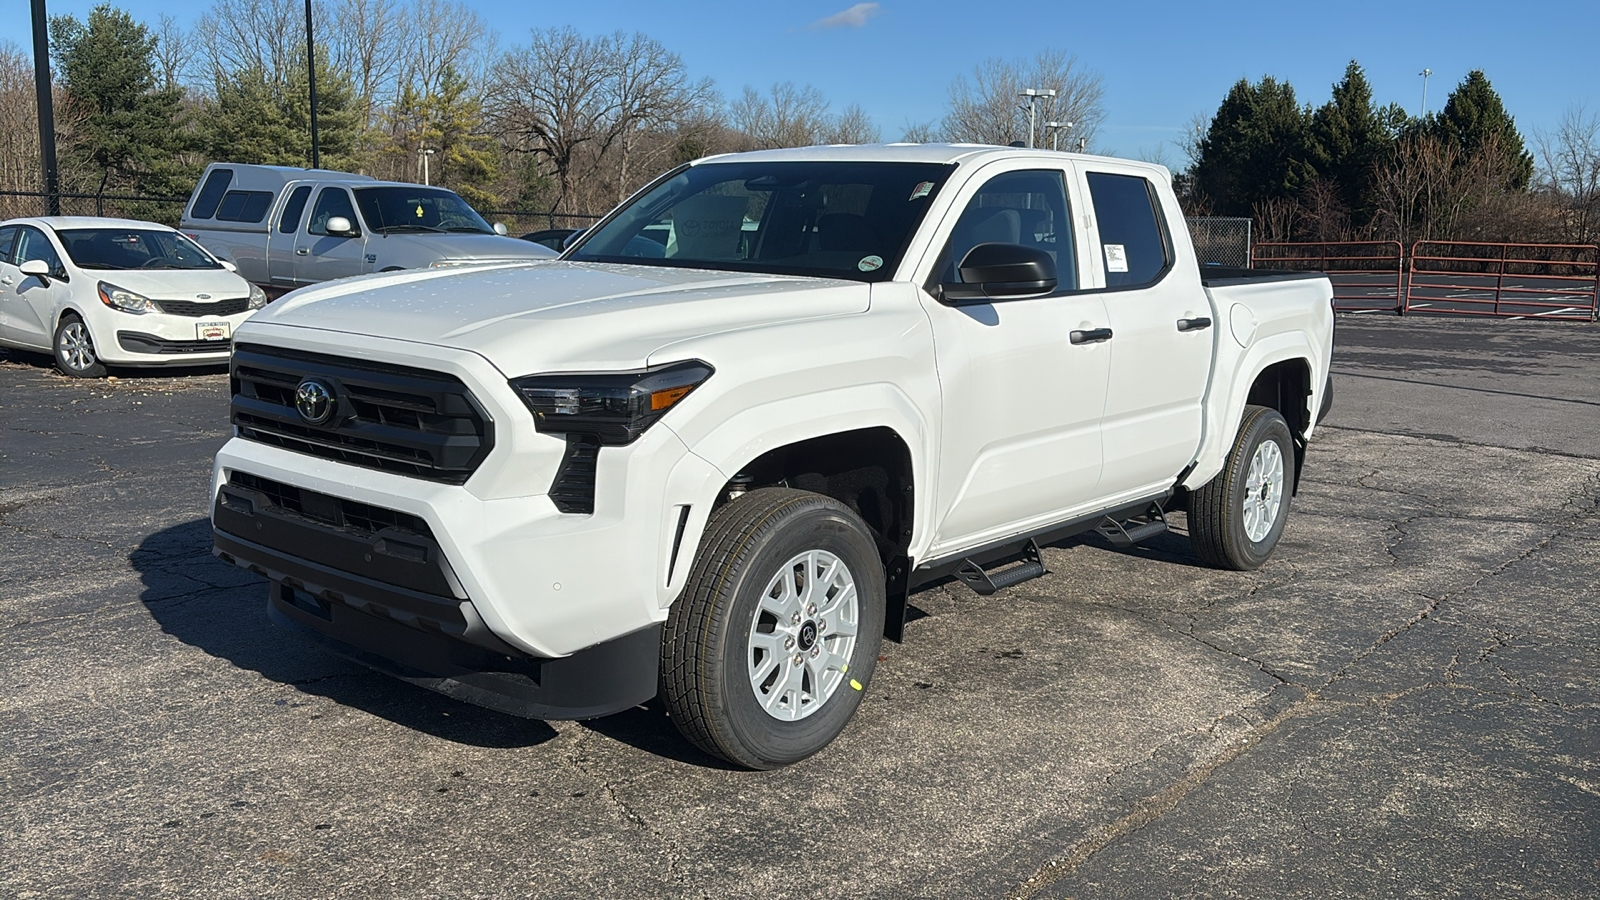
(767, 653)
(74, 348)
(1237, 518)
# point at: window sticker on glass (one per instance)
(1116, 258)
(870, 263)
(922, 190)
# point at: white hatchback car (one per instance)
(97, 291)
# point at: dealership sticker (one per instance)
(1116, 258)
(922, 190)
(870, 263)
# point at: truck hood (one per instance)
(559, 315)
(463, 246)
(174, 284)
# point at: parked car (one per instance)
(285, 228)
(95, 291)
(711, 451)
(556, 239)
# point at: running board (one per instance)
(987, 582)
(1125, 533)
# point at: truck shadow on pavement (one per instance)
(221, 610)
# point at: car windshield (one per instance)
(827, 219)
(134, 248)
(390, 210)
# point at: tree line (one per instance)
(1351, 170)
(562, 123)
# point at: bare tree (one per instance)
(653, 91)
(19, 140)
(987, 108)
(853, 126)
(369, 41)
(245, 35)
(174, 53)
(1277, 219)
(919, 133)
(1569, 163)
(793, 116)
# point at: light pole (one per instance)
(1054, 128)
(425, 154)
(1033, 95)
(47, 116)
(1425, 73)
(311, 84)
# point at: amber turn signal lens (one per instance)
(664, 399)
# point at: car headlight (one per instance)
(615, 407)
(126, 300)
(258, 297)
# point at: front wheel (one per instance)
(1238, 517)
(74, 348)
(766, 654)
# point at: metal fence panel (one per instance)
(1367, 276)
(1221, 240)
(1543, 281)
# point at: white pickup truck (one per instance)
(710, 451)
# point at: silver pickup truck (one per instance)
(285, 228)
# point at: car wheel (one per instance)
(74, 348)
(1238, 517)
(766, 654)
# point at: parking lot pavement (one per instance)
(1405, 700)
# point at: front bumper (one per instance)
(377, 590)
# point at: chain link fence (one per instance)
(1221, 240)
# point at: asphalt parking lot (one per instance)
(1404, 702)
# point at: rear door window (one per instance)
(1134, 245)
(292, 210)
(205, 205)
(244, 206)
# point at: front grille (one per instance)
(197, 310)
(394, 418)
(336, 511)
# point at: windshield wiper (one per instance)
(409, 226)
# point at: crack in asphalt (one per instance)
(625, 809)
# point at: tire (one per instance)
(725, 681)
(1234, 524)
(74, 349)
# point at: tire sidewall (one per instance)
(815, 528)
(1269, 426)
(94, 369)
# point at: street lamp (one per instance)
(1033, 95)
(311, 89)
(1425, 73)
(1054, 130)
(425, 154)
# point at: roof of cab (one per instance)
(923, 153)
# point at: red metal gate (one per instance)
(1544, 281)
(1367, 276)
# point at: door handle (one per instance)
(1197, 324)
(5, 281)
(1090, 336)
(301, 251)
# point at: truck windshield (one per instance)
(132, 248)
(415, 208)
(827, 219)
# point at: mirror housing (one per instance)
(37, 268)
(339, 226)
(229, 265)
(500, 229)
(1001, 272)
(572, 238)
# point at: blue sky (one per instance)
(1161, 61)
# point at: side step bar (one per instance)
(1124, 533)
(984, 582)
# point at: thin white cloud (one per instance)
(854, 17)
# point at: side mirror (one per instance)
(500, 229)
(1002, 272)
(39, 269)
(229, 266)
(572, 238)
(339, 226)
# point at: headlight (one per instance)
(126, 300)
(258, 297)
(615, 407)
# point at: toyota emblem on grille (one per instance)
(313, 401)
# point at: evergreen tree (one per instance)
(1257, 147)
(1474, 118)
(1348, 135)
(447, 120)
(265, 117)
(130, 134)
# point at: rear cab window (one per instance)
(1135, 248)
(205, 203)
(244, 206)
